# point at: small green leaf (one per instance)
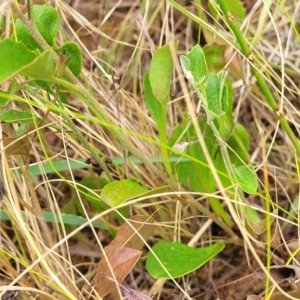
(46, 19)
(13, 57)
(179, 259)
(117, 192)
(246, 179)
(217, 97)
(226, 120)
(16, 116)
(90, 188)
(75, 62)
(198, 66)
(160, 72)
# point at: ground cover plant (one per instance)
(149, 150)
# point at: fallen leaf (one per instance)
(120, 261)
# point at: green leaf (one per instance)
(160, 72)
(75, 62)
(90, 188)
(225, 121)
(117, 192)
(196, 175)
(16, 116)
(42, 67)
(46, 19)
(246, 179)
(157, 110)
(13, 57)
(179, 259)
(198, 66)
(216, 96)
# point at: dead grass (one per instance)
(116, 56)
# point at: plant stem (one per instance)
(258, 75)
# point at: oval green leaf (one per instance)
(198, 66)
(117, 192)
(89, 187)
(160, 72)
(179, 259)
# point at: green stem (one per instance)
(258, 75)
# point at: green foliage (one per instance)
(215, 94)
(16, 116)
(158, 111)
(14, 56)
(23, 55)
(15, 59)
(217, 97)
(173, 259)
(4, 98)
(117, 192)
(160, 72)
(75, 63)
(246, 179)
(196, 173)
(157, 92)
(46, 19)
(90, 188)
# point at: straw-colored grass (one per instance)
(117, 39)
